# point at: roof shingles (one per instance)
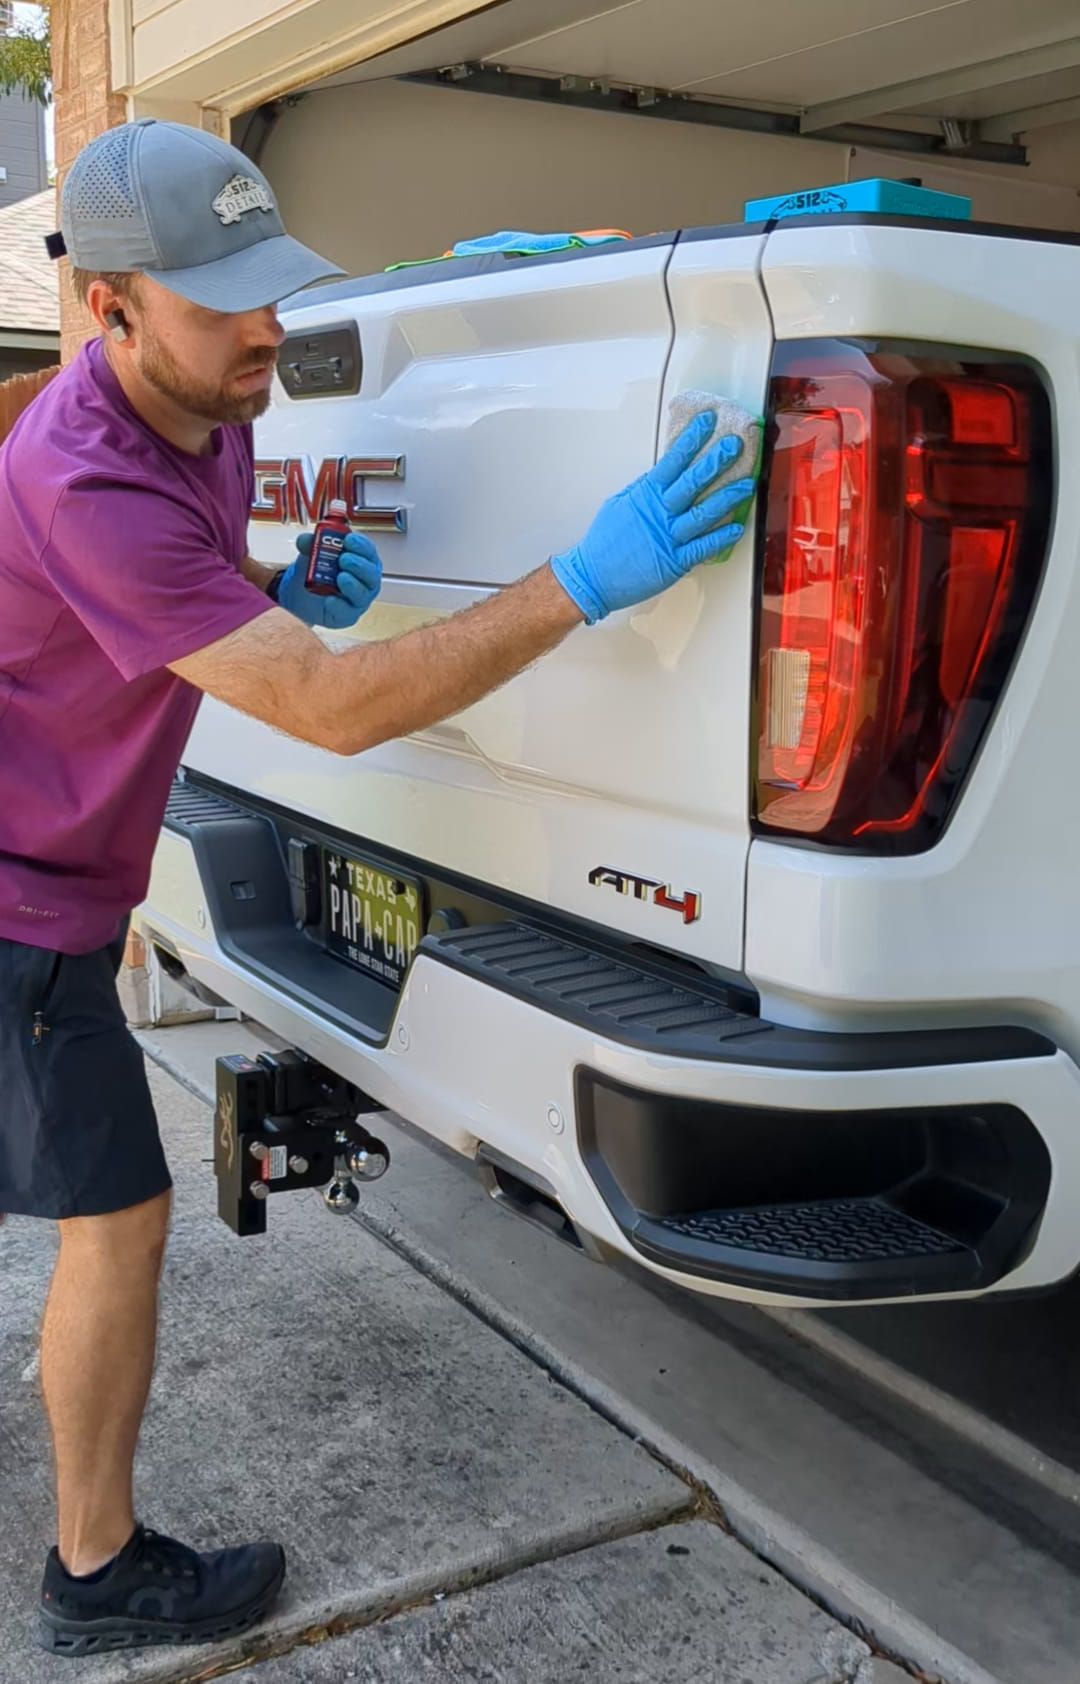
(29, 286)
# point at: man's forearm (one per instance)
(390, 689)
(276, 669)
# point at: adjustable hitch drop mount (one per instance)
(282, 1121)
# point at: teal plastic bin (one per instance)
(881, 198)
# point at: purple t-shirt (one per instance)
(119, 554)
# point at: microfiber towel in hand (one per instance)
(730, 418)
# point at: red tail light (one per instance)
(905, 528)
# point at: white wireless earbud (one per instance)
(117, 323)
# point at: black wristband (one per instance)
(275, 584)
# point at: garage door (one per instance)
(970, 79)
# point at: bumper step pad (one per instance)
(828, 1247)
(828, 1231)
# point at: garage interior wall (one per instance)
(379, 172)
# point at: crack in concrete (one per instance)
(343, 1624)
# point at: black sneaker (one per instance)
(158, 1591)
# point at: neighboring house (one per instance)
(29, 290)
(24, 168)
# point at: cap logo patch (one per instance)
(240, 195)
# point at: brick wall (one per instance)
(85, 105)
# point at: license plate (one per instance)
(373, 916)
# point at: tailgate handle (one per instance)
(322, 362)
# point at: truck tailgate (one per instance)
(518, 400)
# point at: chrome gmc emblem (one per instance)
(292, 491)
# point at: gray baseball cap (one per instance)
(187, 209)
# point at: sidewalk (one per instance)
(314, 1386)
(952, 1555)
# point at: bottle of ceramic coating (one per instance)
(328, 541)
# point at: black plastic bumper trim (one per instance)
(243, 870)
(615, 998)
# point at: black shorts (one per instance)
(78, 1133)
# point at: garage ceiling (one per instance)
(997, 68)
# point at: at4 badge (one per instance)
(647, 888)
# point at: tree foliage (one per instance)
(26, 57)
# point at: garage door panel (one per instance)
(918, 46)
(669, 43)
(791, 53)
(494, 35)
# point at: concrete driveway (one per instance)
(450, 1508)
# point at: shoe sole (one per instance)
(76, 1638)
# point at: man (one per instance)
(126, 591)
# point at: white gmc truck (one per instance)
(741, 936)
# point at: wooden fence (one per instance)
(19, 391)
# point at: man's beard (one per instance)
(160, 369)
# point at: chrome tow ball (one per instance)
(342, 1195)
(369, 1162)
(366, 1159)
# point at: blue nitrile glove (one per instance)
(358, 585)
(651, 534)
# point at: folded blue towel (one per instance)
(514, 243)
(513, 240)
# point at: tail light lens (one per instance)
(905, 527)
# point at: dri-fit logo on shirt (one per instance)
(240, 195)
(38, 912)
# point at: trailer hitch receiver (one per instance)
(283, 1121)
